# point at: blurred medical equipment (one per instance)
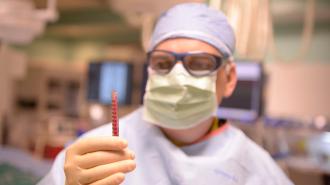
(250, 20)
(21, 22)
(319, 150)
(143, 13)
(13, 66)
(307, 32)
(105, 76)
(54, 134)
(276, 138)
(253, 22)
(134, 10)
(96, 113)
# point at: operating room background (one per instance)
(39, 74)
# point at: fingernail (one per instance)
(132, 155)
(125, 143)
(120, 177)
(132, 165)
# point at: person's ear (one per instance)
(231, 79)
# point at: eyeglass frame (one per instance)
(220, 61)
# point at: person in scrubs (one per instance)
(175, 138)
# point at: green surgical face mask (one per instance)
(178, 100)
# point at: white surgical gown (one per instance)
(227, 158)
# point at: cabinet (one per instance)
(51, 91)
(45, 94)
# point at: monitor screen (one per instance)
(241, 97)
(106, 76)
(246, 101)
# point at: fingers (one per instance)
(99, 160)
(114, 179)
(103, 171)
(87, 145)
(90, 160)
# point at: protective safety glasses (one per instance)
(196, 63)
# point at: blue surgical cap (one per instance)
(196, 21)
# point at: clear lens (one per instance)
(161, 62)
(200, 64)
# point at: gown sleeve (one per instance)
(56, 175)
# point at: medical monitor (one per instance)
(105, 76)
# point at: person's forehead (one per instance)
(183, 45)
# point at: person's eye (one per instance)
(200, 63)
(161, 63)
